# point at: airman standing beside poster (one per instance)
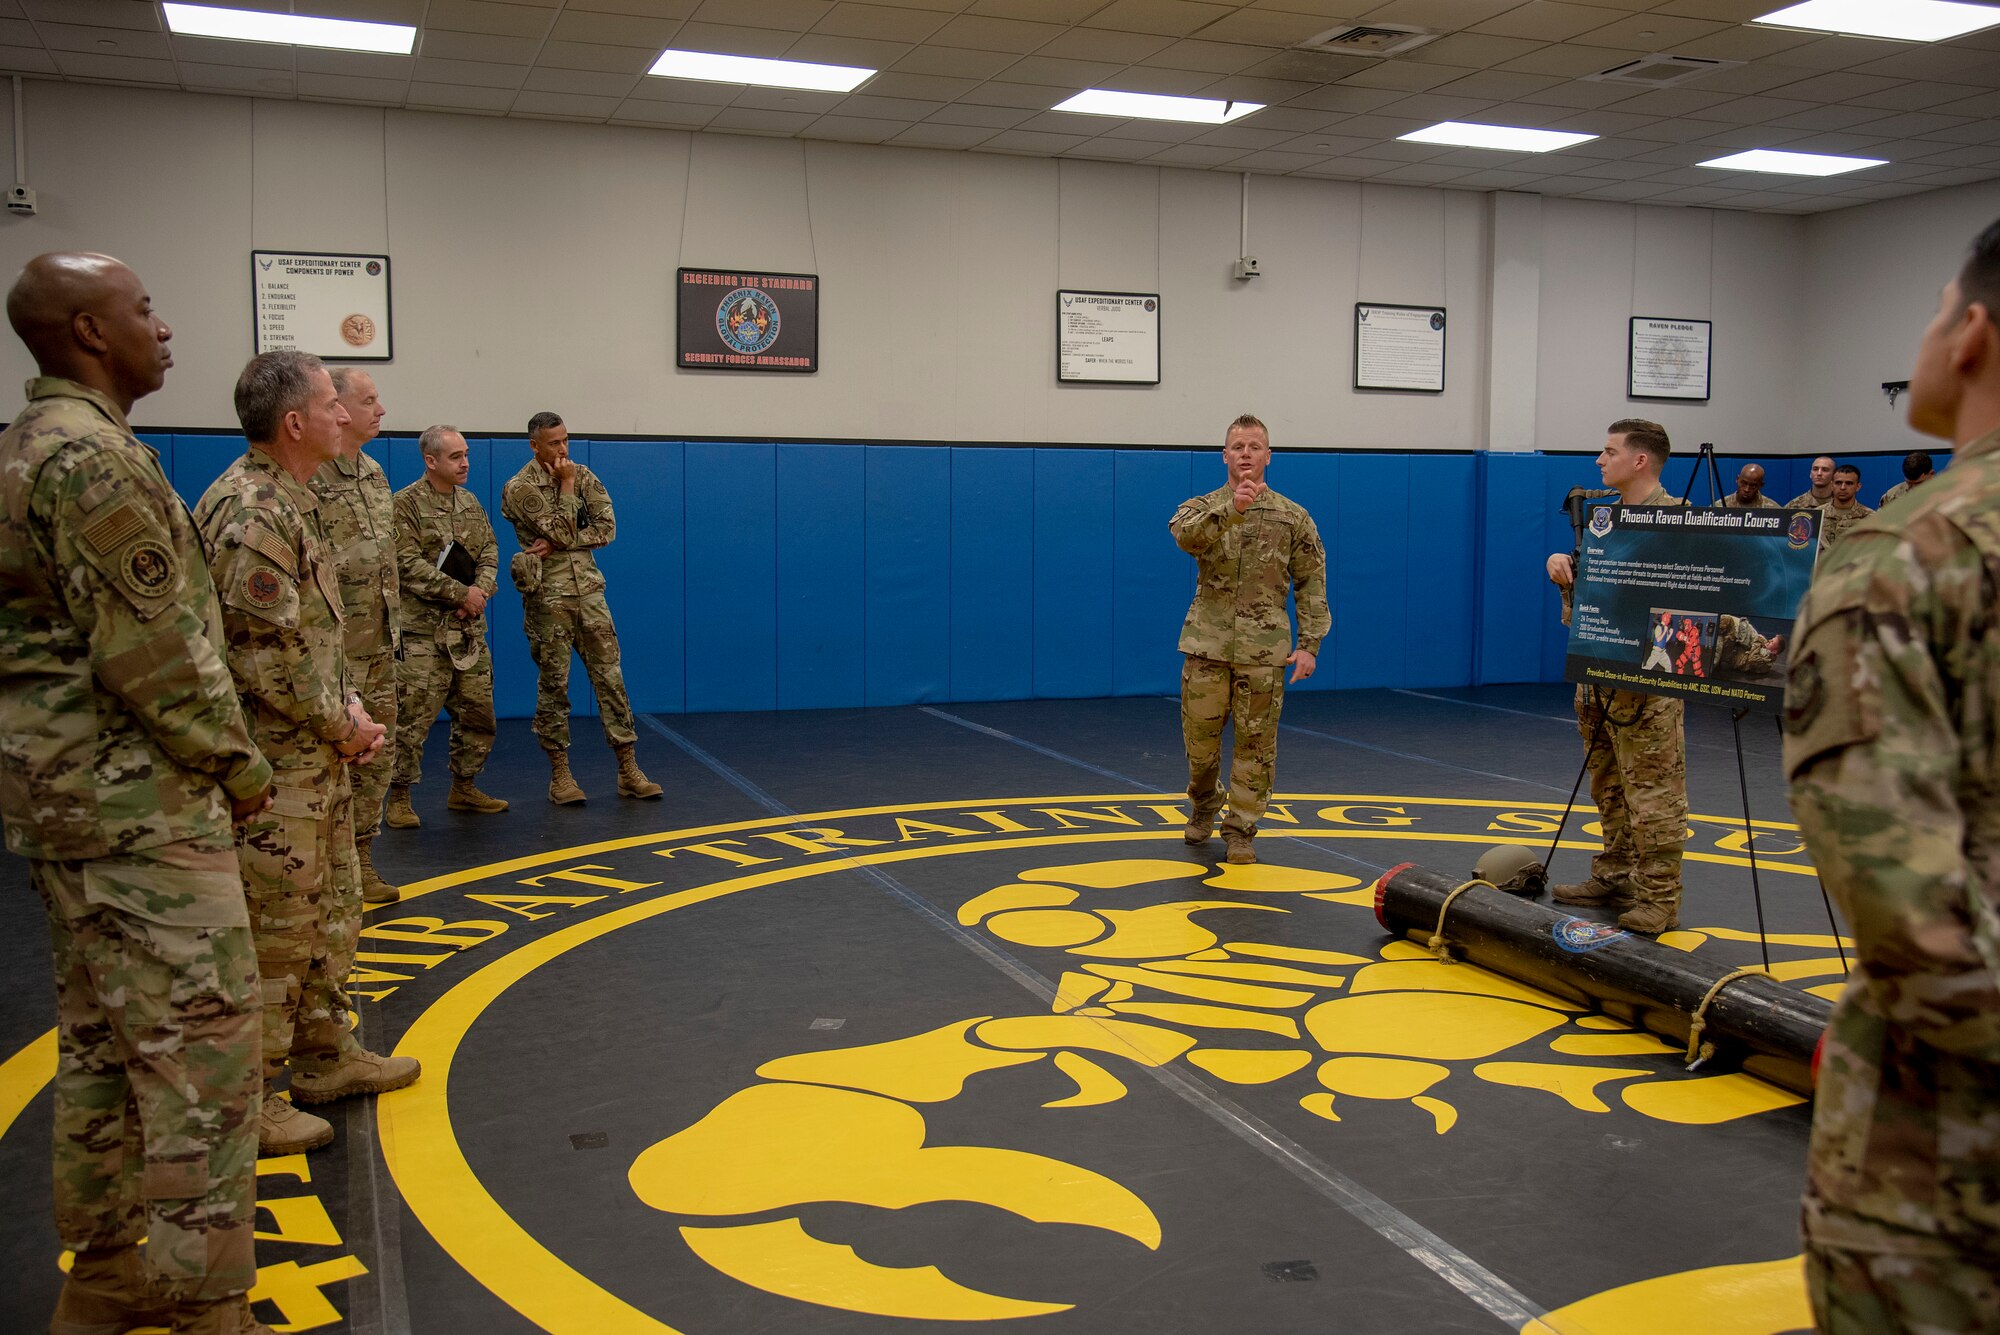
(1636, 746)
(1253, 549)
(1889, 747)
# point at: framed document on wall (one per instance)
(333, 306)
(1667, 358)
(1399, 347)
(1108, 338)
(744, 320)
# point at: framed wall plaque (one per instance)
(1399, 347)
(1107, 338)
(1667, 358)
(331, 305)
(747, 320)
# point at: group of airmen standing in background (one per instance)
(200, 715)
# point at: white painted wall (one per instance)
(534, 266)
(1873, 278)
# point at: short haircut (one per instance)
(1248, 422)
(431, 442)
(273, 384)
(1848, 468)
(542, 422)
(343, 376)
(1979, 279)
(1643, 435)
(1917, 464)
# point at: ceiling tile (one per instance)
(1346, 99)
(935, 87)
(1498, 85)
(853, 129)
(1960, 176)
(213, 51)
(871, 107)
(1172, 83)
(565, 106)
(104, 41)
(882, 22)
(1315, 67)
(1750, 110)
(605, 59)
(478, 46)
(782, 99)
(1246, 88)
(1724, 11)
(1112, 150)
(676, 115)
(614, 29)
(1214, 57)
(108, 13)
(1404, 78)
(1671, 102)
(501, 20)
(1922, 95)
(933, 135)
(1472, 50)
(1270, 160)
(1753, 136)
(768, 122)
(1100, 44)
(1169, 18)
(983, 34)
(1941, 62)
(645, 9)
(369, 11)
(1195, 155)
(1030, 141)
(1061, 73)
(1090, 127)
(954, 62)
(1039, 11)
(1548, 21)
(1299, 120)
(1910, 123)
(347, 88)
(725, 40)
(117, 69)
(27, 60)
(1035, 97)
(1746, 79)
(1581, 94)
(1345, 169)
(276, 83)
(992, 118)
(1242, 137)
(1742, 44)
(1652, 32)
(1326, 145)
(689, 90)
(1568, 60)
(865, 52)
(1265, 27)
(1420, 173)
(1835, 53)
(468, 73)
(1826, 118)
(354, 64)
(1972, 155)
(1437, 107)
(458, 97)
(792, 15)
(579, 81)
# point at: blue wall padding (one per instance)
(1438, 631)
(907, 611)
(163, 445)
(788, 576)
(991, 588)
(1152, 578)
(645, 568)
(1073, 573)
(821, 549)
(732, 576)
(1370, 555)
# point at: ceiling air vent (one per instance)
(1659, 71)
(1368, 39)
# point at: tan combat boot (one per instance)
(361, 1072)
(106, 1291)
(227, 1316)
(374, 890)
(1240, 850)
(1656, 894)
(1593, 893)
(563, 787)
(1200, 827)
(465, 796)
(400, 815)
(284, 1129)
(632, 781)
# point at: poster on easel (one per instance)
(1690, 602)
(334, 306)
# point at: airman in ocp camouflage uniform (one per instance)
(281, 613)
(1635, 746)
(1890, 750)
(1253, 549)
(561, 513)
(1821, 490)
(446, 663)
(1843, 512)
(354, 514)
(1749, 493)
(1918, 467)
(126, 757)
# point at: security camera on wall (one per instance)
(1248, 267)
(20, 199)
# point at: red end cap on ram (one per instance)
(1382, 888)
(1819, 1048)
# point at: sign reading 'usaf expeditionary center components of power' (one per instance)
(743, 320)
(333, 306)
(1698, 603)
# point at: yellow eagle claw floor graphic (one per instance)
(1148, 986)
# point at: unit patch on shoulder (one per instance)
(261, 587)
(532, 500)
(147, 568)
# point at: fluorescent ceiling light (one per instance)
(711, 68)
(1904, 20)
(246, 25)
(1157, 107)
(1464, 134)
(1791, 164)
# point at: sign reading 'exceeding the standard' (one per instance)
(1111, 337)
(333, 306)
